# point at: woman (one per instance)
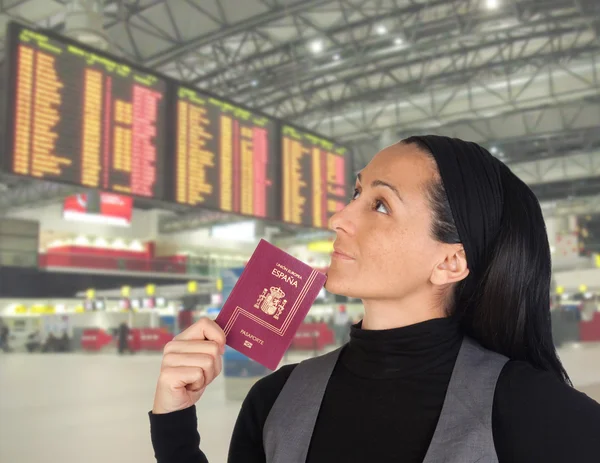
(454, 359)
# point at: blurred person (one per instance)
(51, 343)
(4, 337)
(123, 339)
(453, 361)
(330, 321)
(64, 343)
(34, 341)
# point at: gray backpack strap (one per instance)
(289, 427)
(464, 430)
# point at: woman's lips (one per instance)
(341, 255)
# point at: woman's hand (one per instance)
(191, 361)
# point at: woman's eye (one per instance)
(380, 207)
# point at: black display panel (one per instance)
(79, 116)
(226, 157)
(315, 175)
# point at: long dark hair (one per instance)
(509, 310)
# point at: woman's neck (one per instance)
(385, 315)
(402, 352)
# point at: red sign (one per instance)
(154, 339)
(97, 207)
(313, 336)
(95, 339)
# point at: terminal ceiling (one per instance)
(520, 77)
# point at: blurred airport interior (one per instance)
(147, 146)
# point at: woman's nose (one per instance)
(341, 221)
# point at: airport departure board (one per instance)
(316, 175)
(78, 116)
(227, 157)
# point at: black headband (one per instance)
(472, 178)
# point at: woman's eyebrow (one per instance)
(376, 183)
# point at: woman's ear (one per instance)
(453, 268)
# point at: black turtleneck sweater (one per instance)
(383, 401)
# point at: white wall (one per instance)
(201, 239)
(144, 224)
(571, 279)
(552, 228)
(314, 259)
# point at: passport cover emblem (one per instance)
(271, 303)
(267, 304)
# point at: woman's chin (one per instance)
(330, 283)
(336, 284)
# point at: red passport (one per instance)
(268, 303)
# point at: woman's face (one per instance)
(384, 249)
